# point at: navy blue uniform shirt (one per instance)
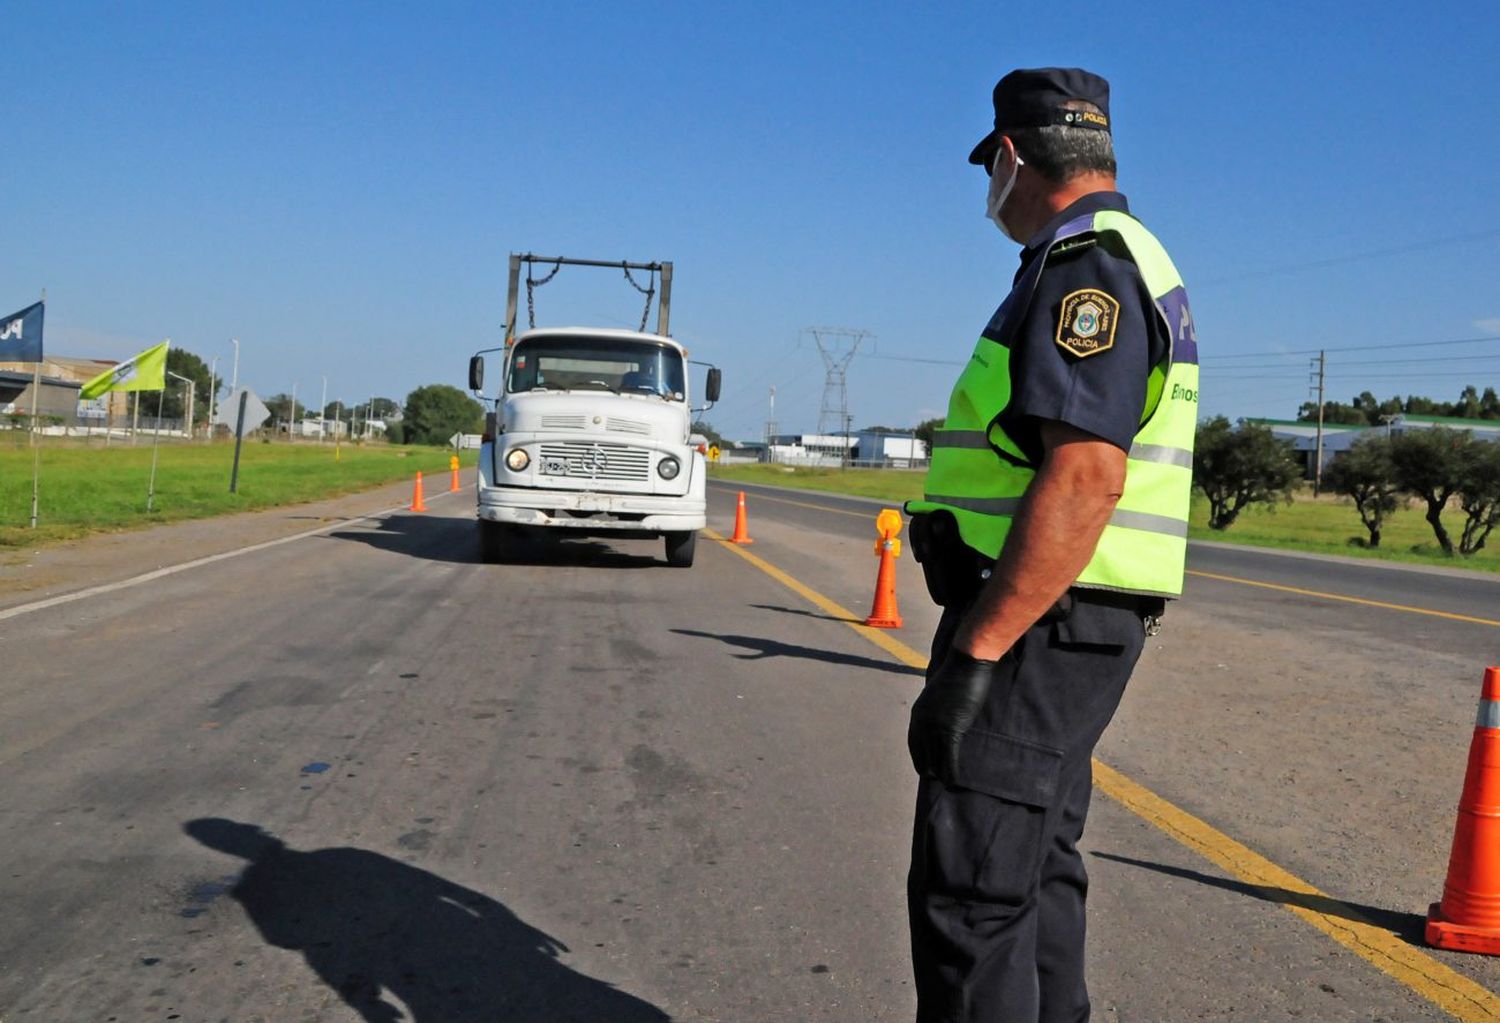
(1102, 392)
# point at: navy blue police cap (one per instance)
(1038, 98)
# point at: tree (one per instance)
(1467, 405)
(925, 431)
(174, 399)
(284, 412)
(1333, 412)
(1479, 494)
(435, 412)
(1235, 468)
(706, 428)
(1430, 465)
(1366, 475)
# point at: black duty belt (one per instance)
(1110, 598)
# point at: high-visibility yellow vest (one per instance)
(979, 474)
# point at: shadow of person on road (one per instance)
(763, 647)
(375, 930)
(1409, 927)
(806, 614)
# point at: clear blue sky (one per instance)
(339, 185)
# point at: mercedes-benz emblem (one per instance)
(596, 460)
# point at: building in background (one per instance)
(866, 449)
(56, 400)
(113, 405)
(1339, 437)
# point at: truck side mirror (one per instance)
(476, 373)
(715, 380)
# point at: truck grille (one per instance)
(581, 460)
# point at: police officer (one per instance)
(1052, 530)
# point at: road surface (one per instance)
(360, 776)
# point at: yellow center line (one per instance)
(1444, 987)
(879, 637)
(1452, 616)
(819, 507)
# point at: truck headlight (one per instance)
(516, 460)
(668, 468)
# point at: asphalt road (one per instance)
(360, 776)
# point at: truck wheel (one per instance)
(680, 548)
(495, 542)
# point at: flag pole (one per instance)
(155, 447)
(161, 396)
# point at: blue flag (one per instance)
(21, 335)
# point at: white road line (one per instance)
(94, 591)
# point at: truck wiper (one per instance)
(604, 385)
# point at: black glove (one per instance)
(945, 711)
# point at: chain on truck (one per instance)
(590, 429)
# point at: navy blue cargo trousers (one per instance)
(997, 888)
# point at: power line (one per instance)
(1362, 348)
(1353, 257)
(913, 358)
(1375, 363)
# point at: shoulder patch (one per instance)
(1086, 322)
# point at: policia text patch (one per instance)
(1086, 322)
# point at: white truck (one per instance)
(590, 431)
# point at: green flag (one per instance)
(146, 372)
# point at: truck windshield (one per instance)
(596, 363)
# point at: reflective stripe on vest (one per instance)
(979, 474)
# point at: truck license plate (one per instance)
(554, 466)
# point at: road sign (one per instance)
(229, 410)
(713, 452)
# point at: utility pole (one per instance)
(234, 379)
(291, 429)
(213, 391)
(1322, 365)
(323, 411)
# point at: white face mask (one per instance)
(999, 193)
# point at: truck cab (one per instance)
(590, 436)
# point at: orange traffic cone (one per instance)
(741, 535)
(883, 613)
(1468, 918)
(417, 504)
(453, 468)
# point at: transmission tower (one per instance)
(771, 422)
(837, 346)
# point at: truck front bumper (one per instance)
(582, 512)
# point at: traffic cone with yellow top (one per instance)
(1468, 917)
(453, 468)
(884, 613)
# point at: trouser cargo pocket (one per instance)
(983, 840)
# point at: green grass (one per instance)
(892, 485)
(91, 488)
(1325, 525)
